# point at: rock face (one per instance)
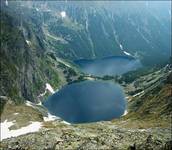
(26, 66)
(22, 53)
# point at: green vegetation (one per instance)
(25, 68)
(132, 75)
(152, 108)
(32, 40)
(2, 104)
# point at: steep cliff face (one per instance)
(24, 66)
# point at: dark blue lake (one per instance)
(87, 101)
(115, 65)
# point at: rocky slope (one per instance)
(26, 66)
(149, 100)
(103, 135)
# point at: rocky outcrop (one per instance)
(152, 144)
(102, 135)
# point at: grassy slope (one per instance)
(153, 108)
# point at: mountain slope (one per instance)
(25, 65)
(149, 104)
(34, 32)
(34, 39)
(87, 31)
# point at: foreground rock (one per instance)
(102, 135)
(151, 144)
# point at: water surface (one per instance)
(115, 65)
(87, 101)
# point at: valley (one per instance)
(83, 76)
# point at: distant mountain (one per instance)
(98, 29)
(84, 29)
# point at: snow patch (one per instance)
(49, 88)
(121, 47)
(28, 103)
(7, 133)
(28, 42)
(142, 130)
(65, 122)
(127, 53)
(39, 103)
(89, 78)
(50, 117)
(6, 2)
(63, 14)
(37, 9)
(138, 94)
(125, 113)
(16, 113)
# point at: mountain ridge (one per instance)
(40, 42)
